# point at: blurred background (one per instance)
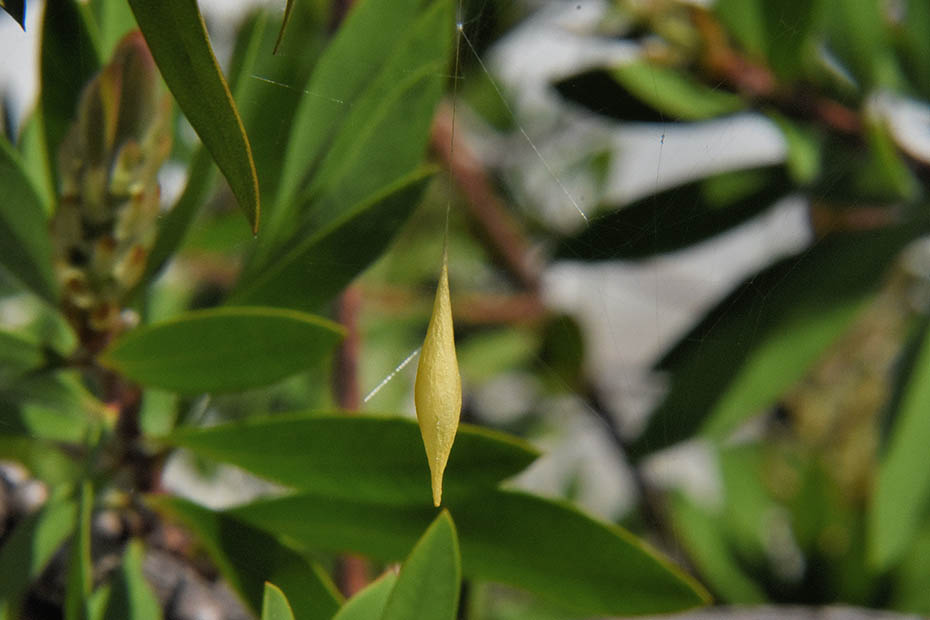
(687, 260)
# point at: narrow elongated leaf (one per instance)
(707, 547)
(25, 251)
(429, 581)
(17, 10)
(858, 35)
(357, 457)
(69, 59)
(674, 93)
(899, 505)
(249, 557)
(115, 20)
(80, 569)
(316, 268)
(548, 548)
(349, 63)
(18, 355)
(370, 602)
(678, 217)
(131, 596)
(816, 291)
(287, 17)
(275, 605)
(27, 550)
(177, 37)
(221, 350)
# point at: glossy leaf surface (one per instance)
(222, 350)
(428, 585)
(177, 37)
(360, 458)
(588, 568)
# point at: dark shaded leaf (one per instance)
(678, 217)
(317, 267)
(25, 251)
(28, 549)
(753, 331)
(131, 596)
(427, 587)
(377, 459)
(287, 17)
(222, 349)
(248, 558)
(69, 59)
(548, 548)
(17, 10)
(177, 37)
(80, 569)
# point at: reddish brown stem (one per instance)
(498, 230)
(353, 573)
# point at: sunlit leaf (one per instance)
(275, 605)
(675, 93)
(899, 505)
(360, 458)
(552, 550)
(369, 603)
(223, 349)
(177, 37)
(429, 581)
(753, 328)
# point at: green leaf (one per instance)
(115, 20)
(816, 291)
(682, 215)
(177, 37)
(429, 581)
(857, 34)
(350, 64)
(25, 251)
(546, 547)
(370, 602)
(357, 457)
(131, 596)
(53, 406)
(674, 92)
(36, 161)
(17, 10)
(248, 558)
(745, 21)
(706, 544)
(29, 548)
(804, 150)
(287, 16)
(18, 355)
(80, 569)
(317, 267)
(222, 349)
(275, 605)
(914, 45)
(776, 364)
(69, 59)
(899, 504)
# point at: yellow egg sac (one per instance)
(438, 389)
